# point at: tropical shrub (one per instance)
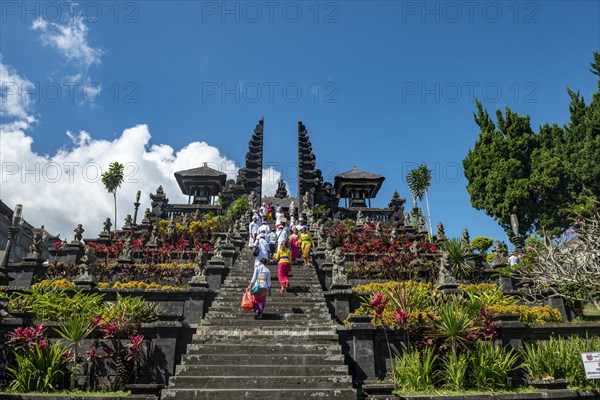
(537, 314)
(56, 305)
(454, 370)
(559, 358)
(491, 365)
(54, 284)
(40, 369)
(416, 369)
(485, 295)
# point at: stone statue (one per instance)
(127, 249)
(147, 216)
(338, 277)
(88, 261)
(445, 276)
(197, 216)
(329, 249)
(217, 249)
(171, 229)
(440, 232)
(153, 242)
(253, 200)
(306, 202)
(393, 235)
(106, 225)
(360, 220)
(186, 220)
(78, 234)
(128, 222)
(35, 250)
(499, 252)
(406, 219)
(465, 241)
(378, 232)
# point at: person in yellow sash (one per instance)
(284, 259)
(306, 244)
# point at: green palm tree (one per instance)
(419, 180)
(112, 180)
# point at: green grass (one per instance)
(76, 393)
(474, 392)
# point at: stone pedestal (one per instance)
(338, 300)
(215, 272)
(449, 288)
(23, 272)
(327, 270)
(559, 304)
(228, 253)
(85, 281)
(319, 257)
(73, 251)
(199, 281)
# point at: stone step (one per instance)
(275, 394)
(261, 370)
(264, 382)
(216, 335)
(265, 323)
(263, 359)
(248, 315)
(269, 348)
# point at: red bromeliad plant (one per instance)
(23, 338)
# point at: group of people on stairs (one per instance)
(283, 246)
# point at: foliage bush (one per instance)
(481, 244)
(54, 283)
(416, 369)
(536, 315)
(39, 369)
(63, 305)
(491, 364)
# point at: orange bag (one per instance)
(247, 301)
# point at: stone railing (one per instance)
(374, 214)
(176, 210)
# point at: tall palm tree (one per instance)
(419, 180)
(112, 180)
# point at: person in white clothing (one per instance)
(278, 217)
(264, 229)
(253, 229)
(513, 259)
(282, 236)
(261, 278)
(263, 248)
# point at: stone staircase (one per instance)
(292, 353)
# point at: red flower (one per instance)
(376, 301)
(401, 316)
(109, 330)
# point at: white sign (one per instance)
(591, 364)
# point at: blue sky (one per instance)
(384, 85)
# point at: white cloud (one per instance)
(14, 97)
(64, 189)
(69, 40)
(270, 180)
